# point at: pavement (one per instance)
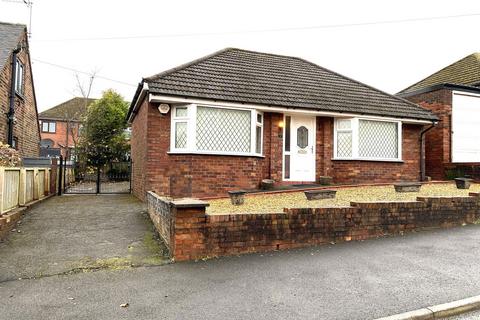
(467, 316)
(78, 232)
(355, 280)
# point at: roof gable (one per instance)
(243, 76)
(465, 71)
(10, 35)
(72, 110)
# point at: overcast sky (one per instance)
(128, 40)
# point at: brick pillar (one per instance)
(189, 229)
(276, 149)
(324, 145)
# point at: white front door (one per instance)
(302, 148)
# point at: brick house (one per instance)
(453, 94)
(233, 118)
(60, 127)
(18, 107)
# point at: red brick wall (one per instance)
(205, 175)
(26, 128)
(60, 137)
(139, 152)
(438, 139)
(196, 235)
(193, 175)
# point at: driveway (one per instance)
(348, 281)
(75, 233)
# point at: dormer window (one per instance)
(19, 75)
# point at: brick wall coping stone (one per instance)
(181, 203)
(189, 203)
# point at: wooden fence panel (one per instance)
(41, 184)
(29, 186)
(11, 185)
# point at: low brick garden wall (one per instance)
(192, 234)
(8, 221)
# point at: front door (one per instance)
(302, 148)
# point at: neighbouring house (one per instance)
(18, 107)
(60, 127)
(228, 120)
(453, 94)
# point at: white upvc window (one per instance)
(367, 139)
(19, 75)
(180, 134)
(216, 130)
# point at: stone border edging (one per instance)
(333, 186)
(439, 311)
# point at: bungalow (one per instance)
(453, 94)
(228, 120)
(18, 106)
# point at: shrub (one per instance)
(8, 156)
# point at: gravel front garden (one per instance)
(272, 203)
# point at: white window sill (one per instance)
(368, 159)
(218, 153)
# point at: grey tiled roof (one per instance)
(9, 36)
(73, 110)
(465, 71)
(237, 75)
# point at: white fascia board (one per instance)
(171, 99)
(140, 98)
(465, 93)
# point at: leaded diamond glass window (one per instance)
(344, 144)
(377, 139)
(180, 135)
(225, 130)
(181, 112)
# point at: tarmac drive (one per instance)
(355, 280)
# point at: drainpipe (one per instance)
(11, 109)
(422, 150)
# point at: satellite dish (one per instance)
(163, 108)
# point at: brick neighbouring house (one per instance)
(17, 92)
(235, 117)
(60, 126)
(453, 94)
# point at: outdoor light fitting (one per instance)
(163, 108)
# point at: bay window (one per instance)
(365, 139)
(216, 130)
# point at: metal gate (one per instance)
(79, 178)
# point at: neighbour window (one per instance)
(48, 126)
(19, 78)
(367, 139)
(216, 130)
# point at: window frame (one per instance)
(354, 128)
(179, 119)
(191, 121)
(19, 78)
(49, 123)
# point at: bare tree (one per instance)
(83, 88)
